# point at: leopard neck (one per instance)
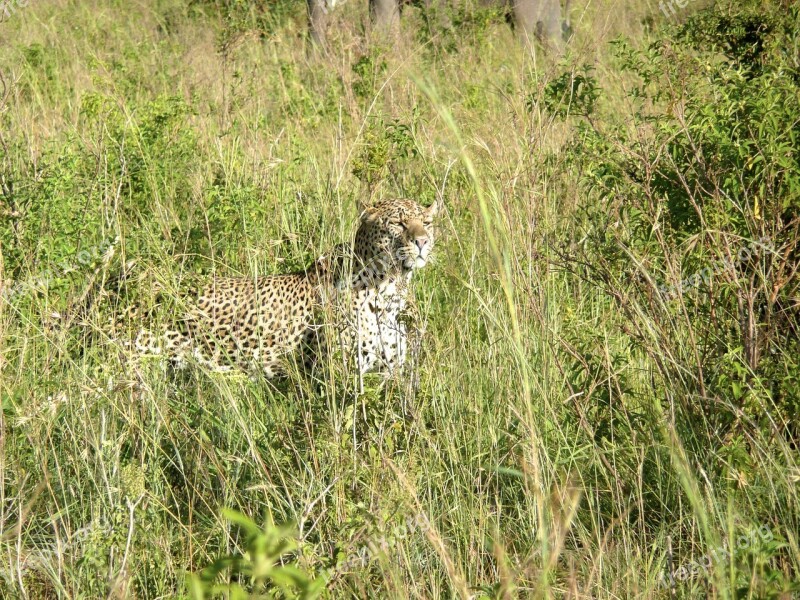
(342, 270)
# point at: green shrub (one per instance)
(695, 204)
(264, 569)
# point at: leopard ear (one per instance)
(430, 212)
(364, 209)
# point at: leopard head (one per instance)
(396, 233)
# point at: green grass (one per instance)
(563, 435)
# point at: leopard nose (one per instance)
(421, 241)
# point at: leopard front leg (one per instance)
(381, 345)
(380, 337)
(393, 345)
(367, 343)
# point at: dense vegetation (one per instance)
(605, 400)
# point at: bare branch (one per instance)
(6, 185)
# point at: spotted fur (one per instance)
(360, 290)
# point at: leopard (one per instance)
(357, 295)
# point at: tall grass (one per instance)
(549, 435)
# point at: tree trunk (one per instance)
(533, 19)
(317, 20)
(385, 14)
(539, 19)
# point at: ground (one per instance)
(563, 431)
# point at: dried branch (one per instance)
(6, 186)
(6, 183)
